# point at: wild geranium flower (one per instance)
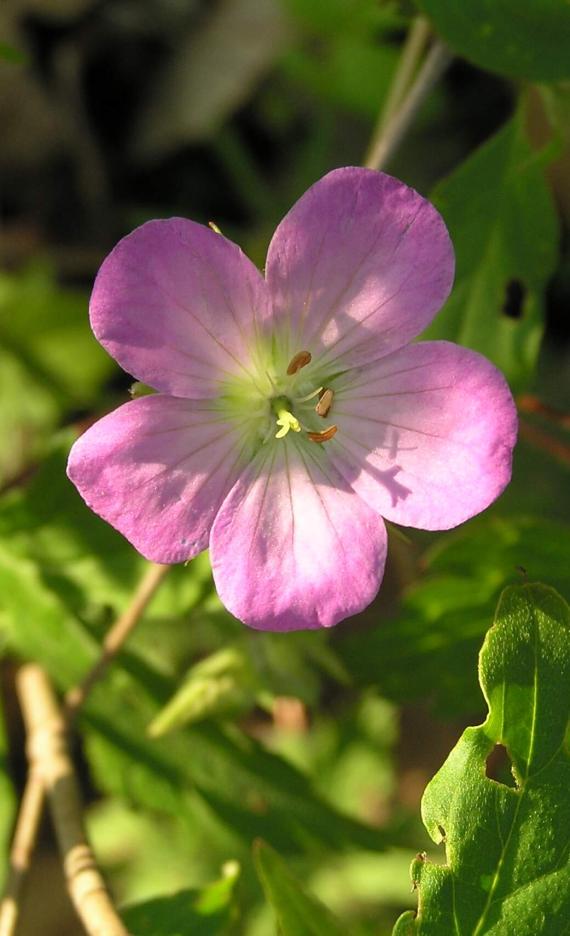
(292, 412)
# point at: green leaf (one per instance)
(221, 685)
(7, 801)
(50, 362)
(508, 866)
(205, 912)
(423, 652)
(503, 226)
(526, 38)
(298, 913)
(47, 328)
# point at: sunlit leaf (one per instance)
(506, 838)
(205, 912)
(502, 223)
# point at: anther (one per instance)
(214, 227)
(325, 402)
(323, 436)
(299, 360)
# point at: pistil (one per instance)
(285, 418)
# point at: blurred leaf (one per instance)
(211, 73)
(7, 802)
(298, 913)
(430, 649)
(345, 57)
(206, 912)
(503, 226)
(91, 566)
(37, 625)
(49, 362)
(10, 53)
(526, 38)
(27, 415)
(223, 684)
(508, 869)
(48, 328)
(340, 72)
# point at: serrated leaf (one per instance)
(298, 913)
(508, 864)
(205, 912)
(527, 39)
(503, 226)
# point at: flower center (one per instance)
(283, 406)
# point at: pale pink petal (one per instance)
(358, 267)
(425, 435)
(176, 305)
(157, 469)
(293, 546)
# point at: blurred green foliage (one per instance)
(114, 113)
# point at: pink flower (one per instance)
(292, 412)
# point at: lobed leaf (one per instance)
(507, 847)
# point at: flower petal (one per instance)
(176, 305)
(358, 267)
(426, 435)
(293, 546)
(157, 469)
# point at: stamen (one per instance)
(323, 436)
(299, 360)
(214, 227)
(310, 396)
(325, 402)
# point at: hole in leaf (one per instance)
(514, 297)
(498, 767)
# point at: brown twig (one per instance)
(391, 135)
(50, 762)
(543, 440)
(31, 807)
(528, 403)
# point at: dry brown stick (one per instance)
(29, 817)
(50, 761)
(31, 807)
(436, 61)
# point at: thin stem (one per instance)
(49, 759)
(116, 637)
(411, 54)
(437, 60)
(31, 807)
